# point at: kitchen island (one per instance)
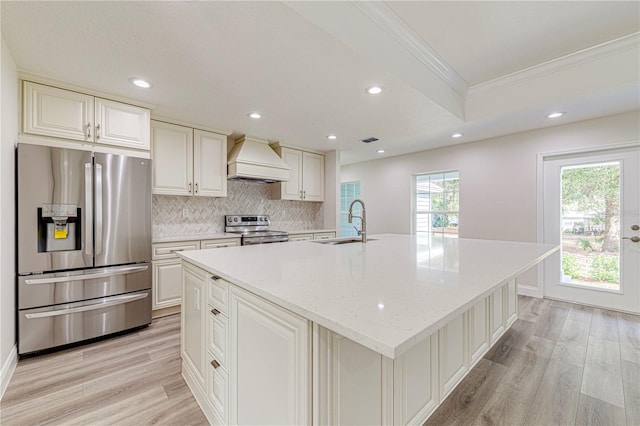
(376, 333)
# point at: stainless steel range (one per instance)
(254, 229)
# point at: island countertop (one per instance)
(388, 294)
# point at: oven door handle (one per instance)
(119, 300)
(113, 272)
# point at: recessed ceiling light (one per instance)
(374, 90)
(555, 114)
(380, 151)
(380, 305)
(140, 82)
(332, 137)
(456, 135)
(255, 115)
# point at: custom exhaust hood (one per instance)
(253, 159)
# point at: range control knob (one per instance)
(235, 219)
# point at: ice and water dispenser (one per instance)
(59, 227)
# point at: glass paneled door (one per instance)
(591, 208)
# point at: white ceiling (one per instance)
(445, 66)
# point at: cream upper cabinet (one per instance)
(188, 161)
(306, 176)
(209, 164)
(172, 154)
(291, 190)
(312, 177)
(50, 111)
(121, 124)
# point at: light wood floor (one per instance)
(560, 364)
(133, 379)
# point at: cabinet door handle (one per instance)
(215, 364)
(88, 130)
(215, 277)
(304, 195)
(189, 187)
(196, 187)
(97, 131)
(214, 311)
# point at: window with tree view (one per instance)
(591, 225)
(437, 203)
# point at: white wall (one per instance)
(9, 133)
(332, 190)
(498, 180)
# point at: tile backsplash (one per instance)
(205, 215)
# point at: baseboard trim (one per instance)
(163, 312)
(8, 368)
(526, 290)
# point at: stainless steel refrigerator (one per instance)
(83, 245)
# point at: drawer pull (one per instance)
(175, 250)
(215, 364)
(215, 277)
(214, 311)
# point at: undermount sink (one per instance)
(341, 241)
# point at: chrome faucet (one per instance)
(363, 229)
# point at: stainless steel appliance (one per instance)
(84, 245)
(254, 229)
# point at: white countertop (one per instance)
(387, 294)
(199, 237)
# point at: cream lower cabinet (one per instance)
(353, 385)
(192, 337)
(263, 357)
(311, 236)
(269, 377)
(167, 269)
(253, 363)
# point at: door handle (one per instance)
(635, 227)
(72, 278)
(88, 204)
(97, 131)
(633, 239)
(113, 302)
(88, 130)
(98, 209)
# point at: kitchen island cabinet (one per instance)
(395, 324)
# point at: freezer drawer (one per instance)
(52, 326)
(67, 287)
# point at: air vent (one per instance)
(369, 140)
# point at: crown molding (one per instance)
(383, 16)
(47, 81)
(590, 54)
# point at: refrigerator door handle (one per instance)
(119, 300)
(88, 216)
(98, 208)
(109, 273)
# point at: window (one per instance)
(348, 192)
(436, 204)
